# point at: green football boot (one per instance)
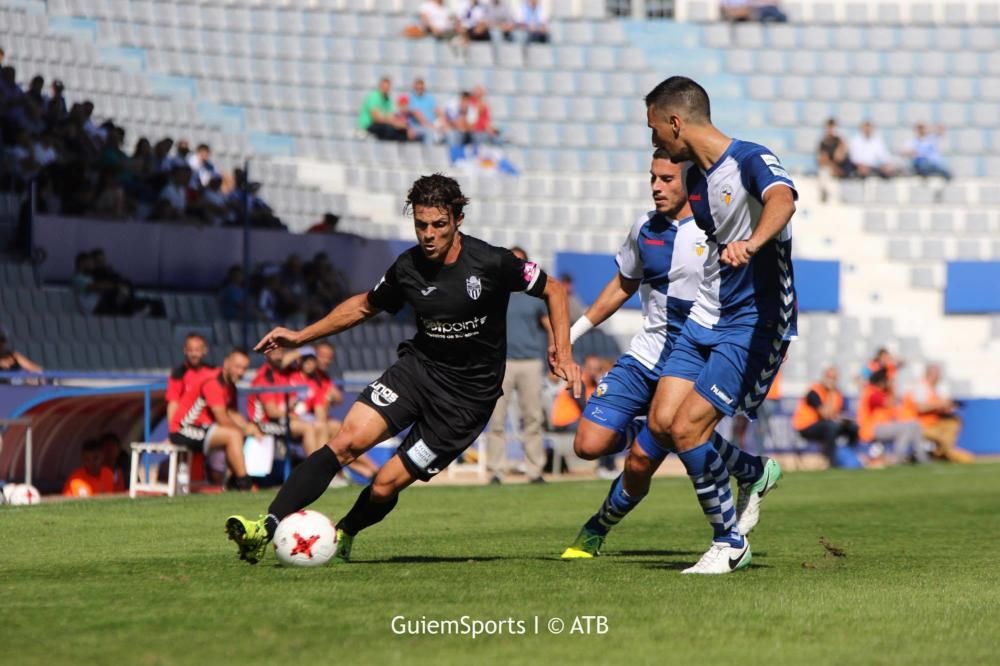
(344, 544)
(587, 545)
(250, 536)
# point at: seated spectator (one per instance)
(213, 206)
(207, 418)
(91, 477)
(201, 165)
(110, 201)
(883, 360)
(819, 417)
(404, 115)
(115, 459)
(501, 20)
(172, 203)
(831, 158)
(14, 361)
(435, 20)
(483, 128)
(924, 152)
(474, 16)
(765, 11)
(232, 296)
(92, 294)
(459, 117)
(869, 155)
(425, 112)
(55, 105)
(327, 225)
(377, 116)
(244, 200)
(938, 416)
(881, 420)
(533, 19)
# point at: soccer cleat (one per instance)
(751, 494)
(250, 536)
(722, 558)
(587, 545)
(344, 543)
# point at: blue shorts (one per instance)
(731, 367)
(622, 397)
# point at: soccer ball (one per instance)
(305, 539)
(21, 494)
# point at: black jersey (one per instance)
(461, 310)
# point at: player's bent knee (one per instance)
(589, 447)
(639, 465)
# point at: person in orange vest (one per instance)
(91, 477)
(819, 417)
(880, 419)
(883, 360)
(938, 417)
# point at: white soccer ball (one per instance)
(305, 539)
(22, 494)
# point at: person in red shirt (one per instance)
(189, 374)
(881, 419)
(90, 478)
(483, 128)
(269, 411)
(207, 418)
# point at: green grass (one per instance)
(154, 581)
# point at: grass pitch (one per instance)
(872, 567)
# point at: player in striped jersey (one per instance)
(663, 259)
(732, 345)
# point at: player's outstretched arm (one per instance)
(348, 314)
(558, 305)
(618, 290)
(779, 206)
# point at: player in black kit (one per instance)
(447, 379)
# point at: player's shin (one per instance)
(745, 467)
(615, 507)
(366, 512)
(305, 485)
(710, 478)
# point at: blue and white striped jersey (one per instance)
(668, 257)
(727, 200)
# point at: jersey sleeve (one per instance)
(518, 275)
(175, 387)
(761, 171)
(214, 394)
(388, 295)
(629, 259)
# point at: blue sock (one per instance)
(745, 467)
(711, 484)
(616, 506)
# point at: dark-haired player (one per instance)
(207, 417)
(447, 379)
(737, 332)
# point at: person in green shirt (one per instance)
(378, 117)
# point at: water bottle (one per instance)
(183, 477)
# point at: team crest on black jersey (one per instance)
(474, 287)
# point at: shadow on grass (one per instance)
(651, 553)
(432, 559)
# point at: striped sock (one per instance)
(616, 506)
(745, 467)
(710, 477)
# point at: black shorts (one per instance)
(442, 427)
(193, 437)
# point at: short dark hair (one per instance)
(437, 191)
(661, 154)
(680, 91)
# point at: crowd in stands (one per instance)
(100, 290)
(741, 11)
(866, 154)
(481, 21)
(916, 426)
(81, 168)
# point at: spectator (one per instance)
(938, 416)
(881, 420)
(819, 417)
(501, 20)
(14, 361)
(110, 201)
(244, 201)
(437, 21)
(483, 129)
(201, 165)
(474, 16)
(189, 375)
(528, 338)
(327, 225)
(232, 295)
(35, 94)
(883, 360)
(55, 106)
(831, 158)
(93, 295)
(214, 208)
(172, 204)
(404, 116)
(765, 11)
(576, 308)
(377, 116)
(269, 411)
(459, 121)
(869, 155)
(91, 477)
(207, 418)
(115, 459)
(533, 19)
(427, 116)
(924, 152)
